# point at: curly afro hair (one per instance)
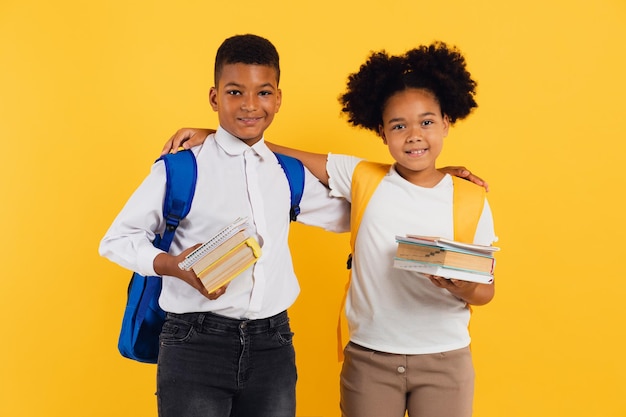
(437, 68)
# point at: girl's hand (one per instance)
(186, 138)
(464, 173)
(449, 284)
(469, 292)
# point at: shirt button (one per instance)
(401, 369)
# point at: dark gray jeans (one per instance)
(214, 366)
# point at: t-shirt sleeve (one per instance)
(319, 208)
(340, 169)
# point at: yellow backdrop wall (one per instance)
(89, 91)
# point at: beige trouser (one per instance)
(377, 384)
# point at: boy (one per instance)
(218, 351)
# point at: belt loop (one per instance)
(201, 318)
(278, 320)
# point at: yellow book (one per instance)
(239, 224)
(207, 259)
(231, 264)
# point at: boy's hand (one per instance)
(464, 173)
(165, 264)
(218, 292)
(186, 137)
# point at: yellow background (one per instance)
(89, 91)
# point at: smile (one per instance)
(249, 120)
(416, 152)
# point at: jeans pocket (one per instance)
(175, 332)
(283, 334)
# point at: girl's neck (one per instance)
(426, 178)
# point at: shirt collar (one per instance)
(233, 146)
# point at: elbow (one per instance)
(483, 295)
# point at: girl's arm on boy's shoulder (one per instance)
(316, 163)
(187, 138)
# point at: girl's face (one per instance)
(414, 128)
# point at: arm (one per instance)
(186, 138)
(189, 137)
(465, 173)
(128, 242)
(315, 162)
(166, 264)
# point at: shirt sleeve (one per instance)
(340, 169)
(319, 208)
(128, 242)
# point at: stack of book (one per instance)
(445, 258)
(227, 254)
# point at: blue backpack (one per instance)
(143, 317)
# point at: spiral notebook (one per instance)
(222, 236)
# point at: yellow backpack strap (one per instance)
(365, 179)
(467, 206)
(468, 200)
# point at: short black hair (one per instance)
(246, 49)
(438, 68)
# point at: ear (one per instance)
(446, 125)
(381, 133)
(213, 98)
(279, 99)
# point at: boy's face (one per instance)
(413, 129)
(246, 99)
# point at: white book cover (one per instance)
(440, 271)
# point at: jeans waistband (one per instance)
(235, 324)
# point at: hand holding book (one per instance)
(227, 254)
(445, 258)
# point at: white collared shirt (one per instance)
(234, 180)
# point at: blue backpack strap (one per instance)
(295, 175)
(143, 317)
(182, 173)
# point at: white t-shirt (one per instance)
(234, 180)
(393, 310)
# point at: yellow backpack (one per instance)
(468, 202)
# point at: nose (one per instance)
(249, 102)
(414, 135)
